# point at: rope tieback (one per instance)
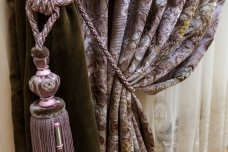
(47, 7)
(51, 7)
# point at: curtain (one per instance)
(67, 60)
(156, 44)
(99, 73)
(193, 116)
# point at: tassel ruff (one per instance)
(43, 132)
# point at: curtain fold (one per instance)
(67, 60)
(156, 44)
(192, 116)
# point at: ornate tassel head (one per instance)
(45, 83)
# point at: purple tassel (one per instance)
(49, 110)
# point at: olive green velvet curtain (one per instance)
(67, 60)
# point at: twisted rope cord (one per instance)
(48, 7)
(102, 46)
(51, 7)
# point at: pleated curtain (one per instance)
(156, 44)
(197, 107)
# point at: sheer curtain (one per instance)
(193, 115)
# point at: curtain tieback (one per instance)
(51, 7)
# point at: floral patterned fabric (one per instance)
(157, 44)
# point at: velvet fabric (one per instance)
(67, 60)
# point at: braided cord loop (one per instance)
(47, 7)
(51, 7)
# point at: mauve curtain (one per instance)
(193, 116)
(156, 44)
(67, 59)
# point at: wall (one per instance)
(6, 130)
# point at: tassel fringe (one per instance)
(43, 133)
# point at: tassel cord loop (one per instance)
(51, 7)
(47, 7)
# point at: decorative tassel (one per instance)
(49, 123)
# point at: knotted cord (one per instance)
(52, 7)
